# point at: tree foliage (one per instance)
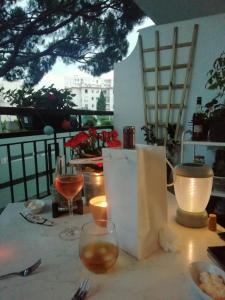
(35, 33)
(101, 103)
(46, 97)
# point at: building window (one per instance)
(86, 106)
(92, 106)
(86, 91)
(92, 98)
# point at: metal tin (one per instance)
(129, 137)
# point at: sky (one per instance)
(60, 70)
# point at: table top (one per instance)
(162, 276)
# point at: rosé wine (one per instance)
(69, 185)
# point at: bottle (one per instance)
(198, 121)
(55, 208)
(129, 137)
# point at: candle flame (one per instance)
(101, 204)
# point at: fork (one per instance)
(82, 290)
(24, 272)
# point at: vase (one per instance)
(93, 185)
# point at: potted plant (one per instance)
(215, 109)
(89, 144)
(48, 100)
(171, 144)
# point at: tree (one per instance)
(35, 33)
(101, 104)
(46, 97)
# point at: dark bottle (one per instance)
(198, 121)
(55, 208)
(129, 137)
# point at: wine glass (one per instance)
(69, 181)
(98, 246)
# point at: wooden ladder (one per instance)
(155, 105)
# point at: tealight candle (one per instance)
(98, 207)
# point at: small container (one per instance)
(212, 222)
(129, 137)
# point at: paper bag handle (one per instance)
(172, 169)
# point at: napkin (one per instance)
(135, 183)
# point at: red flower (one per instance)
(104, 135)
(113, 144)
(89, 143)
(114, 134)
(77, 140)
(69, 143)
(99, 165)
(92, 131)
(81, 137)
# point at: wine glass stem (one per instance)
(70, 206)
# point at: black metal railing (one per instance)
(27, 161)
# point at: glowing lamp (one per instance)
(193, 186)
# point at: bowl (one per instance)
(35, 206)
(198, 267)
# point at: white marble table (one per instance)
(164, 276)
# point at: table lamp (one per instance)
(193, 185)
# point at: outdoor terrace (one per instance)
(27, 157)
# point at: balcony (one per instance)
(27, 157)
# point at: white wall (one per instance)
(128, 92)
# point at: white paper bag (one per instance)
(135, 182)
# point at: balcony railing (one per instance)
(27, 158)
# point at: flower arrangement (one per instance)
(91, 143)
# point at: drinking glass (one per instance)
(69, 181)
(98, 246)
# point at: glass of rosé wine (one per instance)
(69, 182)
(98, 246)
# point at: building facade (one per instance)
(88, 89)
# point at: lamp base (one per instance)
(191, 219)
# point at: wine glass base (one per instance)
(70, 234)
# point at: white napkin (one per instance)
(135, 182)
(168, 240)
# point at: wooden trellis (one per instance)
(155, 105)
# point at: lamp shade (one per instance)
(193, 185)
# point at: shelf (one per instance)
(218, 193)
(204, 143)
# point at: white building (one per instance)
(88, 89)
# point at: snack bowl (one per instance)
(35, 206)
(196, 268)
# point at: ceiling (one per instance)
(166, 11)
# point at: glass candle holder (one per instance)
(98, 207)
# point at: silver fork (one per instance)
(24, 272)
(82, 290)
